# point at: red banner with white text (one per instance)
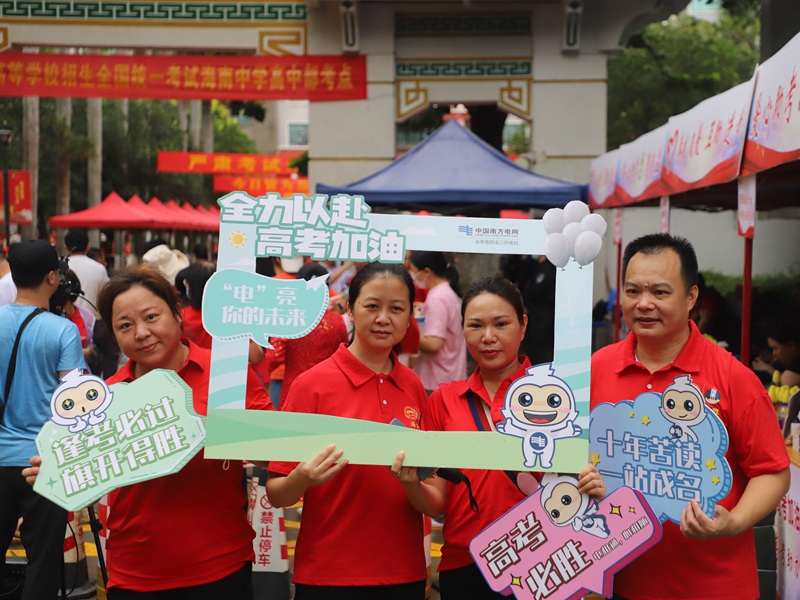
(184, 77)
(19, 193)
(224, 164)
(258, 186)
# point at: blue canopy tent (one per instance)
(454, 166)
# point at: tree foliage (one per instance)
(129, 157)
(672, 66)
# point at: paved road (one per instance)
(92, 572)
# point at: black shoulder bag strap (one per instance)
(12, 364)
(473, 402)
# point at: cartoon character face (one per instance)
(80, 400)
(545, 405)
(682, 403)
(563, 504)
(681, 406)
(73, 402)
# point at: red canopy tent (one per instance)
(191, 222)
(112, 213)
(168, 217)
(201, 216)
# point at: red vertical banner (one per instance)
(19, 194)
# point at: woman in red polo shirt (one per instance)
(494, 325)
(338, 553)
(185, 535)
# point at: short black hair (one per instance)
(500, 287)
(76, 240)
(654, 243)
(31, 262)
(200, 251)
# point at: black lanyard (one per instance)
(472, 402)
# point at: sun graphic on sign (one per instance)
(237, 239)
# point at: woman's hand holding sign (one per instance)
(285, 491)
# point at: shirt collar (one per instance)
(357, 372)
(688, 359)
(475, 382)
(126, 372)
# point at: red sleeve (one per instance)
(433, 414)
(302, 398)
(257, 398)
(275, 357)
(755, 436)
(410, 342)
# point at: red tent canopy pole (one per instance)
(619, 292)
(747, 288)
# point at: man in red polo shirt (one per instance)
(702, 558)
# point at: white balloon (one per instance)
(594, 222)
(587, 247)
(574, 211)
(553, 220)
(571, 232)
(556, 249)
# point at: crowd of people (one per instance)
(392, 346)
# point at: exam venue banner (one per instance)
(559, 544)
(103, 437)
(670, 446)
(224, 163)
(258, 186)
(183, 77)
(641, 163)
(602, 180)
(773, 133)
(705, 143)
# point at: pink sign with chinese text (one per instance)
(773, 135)
(787, 529)
(559, 544)
(746, 214)
(705, 143)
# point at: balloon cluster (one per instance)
(573, 233)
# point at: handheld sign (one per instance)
(559, 544)
(100, 438)
(669, 446)
(242, 304)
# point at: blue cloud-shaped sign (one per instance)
(670, 447)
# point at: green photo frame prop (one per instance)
(342, 227)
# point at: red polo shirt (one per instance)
(496, 493)
(188, 528)
(678, 567)
(358, 528)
